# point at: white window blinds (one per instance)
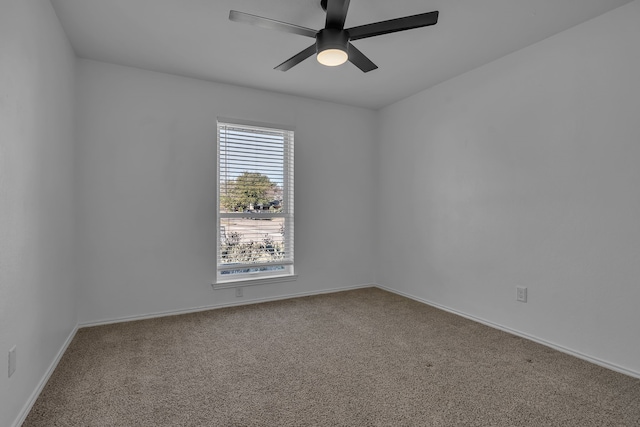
(255, 200)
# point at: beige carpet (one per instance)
(357, 358)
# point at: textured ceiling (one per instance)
(195, 38)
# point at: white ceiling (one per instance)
(195, 38)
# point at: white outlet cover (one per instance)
(12, 360)
(521, 293)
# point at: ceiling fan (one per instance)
(333, 43)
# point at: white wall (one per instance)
(522, 172)
(147, 150)
(525, 172)
(37, 301)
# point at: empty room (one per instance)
(319, 213)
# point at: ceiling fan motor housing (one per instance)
(332, 38)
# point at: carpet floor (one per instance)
(358, 358)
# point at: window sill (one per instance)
(254, 281)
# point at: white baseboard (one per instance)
(217, 306)
(560, 348)
(34, 396)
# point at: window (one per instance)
(255, 202)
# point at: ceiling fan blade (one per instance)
(393, 25)
(270, 24)
(358, 59)
(296, 59)
(337, 13)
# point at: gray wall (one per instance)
(37, 294)
(525, 173)
(147, 155)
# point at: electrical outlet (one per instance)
(238, 292)
(12, 360)
(521, 293)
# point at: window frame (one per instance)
(260, 277)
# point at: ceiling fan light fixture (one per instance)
(332, 57)
(333, 43)
(332, 47)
